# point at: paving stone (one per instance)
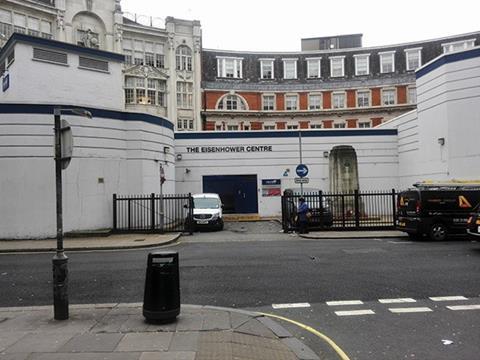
(302, 351)
(86, 356)
(184, 341)
(72, 325)
(17, 356)
(238, 319)
(134, 323)
(145, 342)
(215, 337)
(110, 324)
(170, 327)
(215, 320)
(261, 353)
(253, 340)
(190, 322)
(277, 329)
(214, 351)
(255, 327)
(23, 321)
(39, 342)
(92, 343)
(8, 338)
(171, 355)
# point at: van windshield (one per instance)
(206, 203)
(408, 200)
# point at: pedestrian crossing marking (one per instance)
(355, 312)
(344, 303)
(396, 301)
(448, 298)
(410, 310)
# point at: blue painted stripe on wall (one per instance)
(109, 114)
(283, 134)
(17, 37)
(446, 59)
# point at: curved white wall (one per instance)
(118, 147)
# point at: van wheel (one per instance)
(438, 232)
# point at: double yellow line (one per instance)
(329, 341)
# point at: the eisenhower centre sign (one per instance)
(226, 149)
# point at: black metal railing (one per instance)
(360, 210)
(152, 213)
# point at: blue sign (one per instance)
(6, 82)
(302, 170)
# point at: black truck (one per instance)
(436, 210)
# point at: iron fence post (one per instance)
(129, 214)
(320, 198)
(190, 213)
(357, 209)
(152, 211)
(114, 212)
(394, 208)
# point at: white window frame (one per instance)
(332, 60)
(291, 127)
(318, 61)
(408, 53)
(362, 56)
(364, 91)
(409, 96)
(184, 124)
(269, 127)
(296, 101)
(316, 126)
(184, 94)
(237, 67)
(362, 123)
(241, 104)
(315, 94)
(344, 99)
(339, 125)
(384, 55)
(271, 62)
(394, 96)
(289, 60)
(449, 47)
(274, 102)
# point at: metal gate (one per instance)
(366, 210)
(152, 213)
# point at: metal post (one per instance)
(114, 212)
(394, 208)
(301, 160)
(161, 210)
(357, 209)
(60, 260)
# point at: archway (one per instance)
(343, 169)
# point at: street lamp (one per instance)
(60, 260)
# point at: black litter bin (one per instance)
(161, 301)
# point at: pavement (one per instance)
(119, 332)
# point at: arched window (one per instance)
(184, 58)
(232, 102)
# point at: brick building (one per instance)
(326, 86)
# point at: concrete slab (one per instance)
(176, 355)
(254, 327)
(184, 341)
(86, 356)
(92, 343)
(39, 342)
(145, 342)
(216, 320)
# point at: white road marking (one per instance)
(354, 312)
(397, 301)
(464, 307)
(344, 303)
(410, 310)
(448, 298)
(289, 306)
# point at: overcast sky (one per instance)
(274, 25)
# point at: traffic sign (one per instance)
(302, 170)
(300, 180)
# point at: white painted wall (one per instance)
(377, 161)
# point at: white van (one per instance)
(207, 211)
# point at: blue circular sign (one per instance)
(302, 170)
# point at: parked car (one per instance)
(207, 212)
(321, 214)
(473, 225)
(436, 210)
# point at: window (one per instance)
(362, 64)
(291, 102)
(229, 67)
(315, 126)
(183, 58)
(314, 101)
(184, 95)
(33, 26)
(338, 100)
(289, 68)
(458, 45)
(313, 68)
(218, 127)
(412, 95)
(266, 68)
(363, 98)
(140, 52)
(19, 23)
(231, 102)
(364, 124)
(292, 127)
(268, 102)
(269, 127)
(413, 58)
(337, 66)
(388, 96)
(139, 90)
(16, 22)
(387, 61)
(339, 125)
(184, 124)
(232, 127)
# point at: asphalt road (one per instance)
(253, 266)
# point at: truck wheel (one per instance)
(438, 232)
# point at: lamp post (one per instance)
(60, 260)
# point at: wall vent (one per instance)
(93, 64)
(50, 56)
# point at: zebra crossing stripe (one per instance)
(344, 303)
(410, 310)
(290, 306)
(448, 298)
(397, 301)
(464, 307)
(354, 312)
